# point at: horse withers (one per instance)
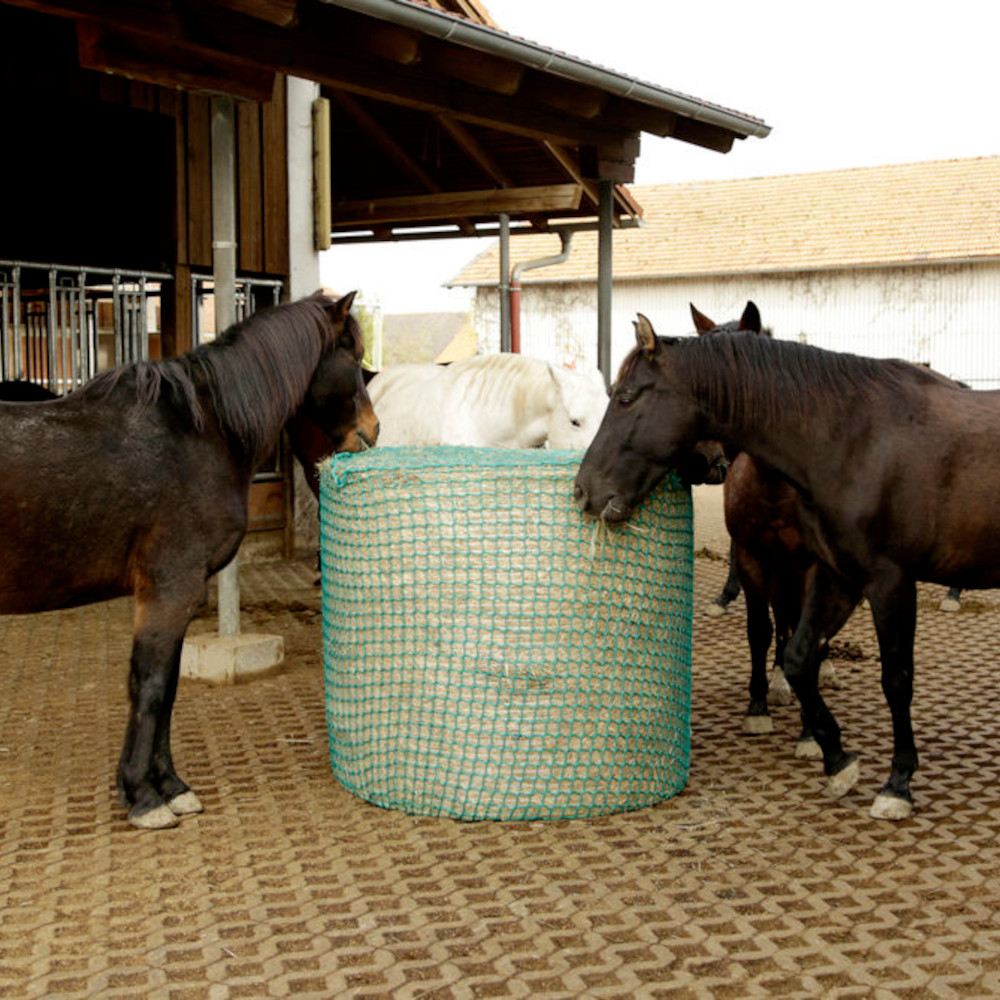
(138, 482)
(896, 470)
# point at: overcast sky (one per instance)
(841, 84)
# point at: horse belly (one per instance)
(55, 559)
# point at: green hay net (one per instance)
(491, 654)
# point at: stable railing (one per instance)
(61, 324)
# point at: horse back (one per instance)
(914, 480)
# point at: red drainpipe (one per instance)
(515, 314)
(565, 235)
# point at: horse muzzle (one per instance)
(615, 510)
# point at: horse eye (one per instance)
(626, 399)
(575, 422)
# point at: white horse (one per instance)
(496, 400)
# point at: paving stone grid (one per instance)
(749, 884)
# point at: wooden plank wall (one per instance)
(262, 182)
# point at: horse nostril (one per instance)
(580, 496)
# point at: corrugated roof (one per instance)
(941, 210)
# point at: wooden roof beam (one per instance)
(321, 56)
(451, 204)
(476, 152)
(569, 164)
(477, 68)
(131, 54)
(573, 98)
(283, 13)
(393, 150)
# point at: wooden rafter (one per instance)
(129, 53)
(475, 150)
(360, 115)
(518, 202)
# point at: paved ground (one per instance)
(749, 884)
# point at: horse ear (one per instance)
(750, 320)
(701, 322)
(339, 310)
(645, 335)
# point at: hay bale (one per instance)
(491, 654)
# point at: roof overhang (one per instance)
(440, 122)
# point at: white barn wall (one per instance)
(945, 315)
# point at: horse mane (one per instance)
(743, 378)
(256, 373)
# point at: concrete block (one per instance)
(226, 659)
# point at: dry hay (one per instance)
(491, 654)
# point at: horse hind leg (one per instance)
(894, 610)
(148, 785)
(758, 719)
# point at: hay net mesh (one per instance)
(489, 653)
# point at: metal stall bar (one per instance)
(224, 273)
(53, 337)
(51, 333)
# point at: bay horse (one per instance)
(896, 469)
(769, 559)
(490, 400)
(137, 483)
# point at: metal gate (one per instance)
(60, 325)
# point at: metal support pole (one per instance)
(604, 278)
(224, 280)
(505, 339)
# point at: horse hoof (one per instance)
(892, 807)
(949, 604)
(808, 749)
(185, 804)
(715, 610)
(158, 818)
(758, 725)
(828, 675)
(844, 780)
(779, 691)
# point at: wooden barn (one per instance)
(893, 261)
(346, 119)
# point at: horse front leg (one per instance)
(828, 604)
(148, 785)
(893, 599)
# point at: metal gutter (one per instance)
(450, 28)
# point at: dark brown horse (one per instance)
(896, 468)
(311, 444)
(768, 557)
(137, 483)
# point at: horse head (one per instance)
(709, 462)
(337, 402)
(580, 402)
(652, 425)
